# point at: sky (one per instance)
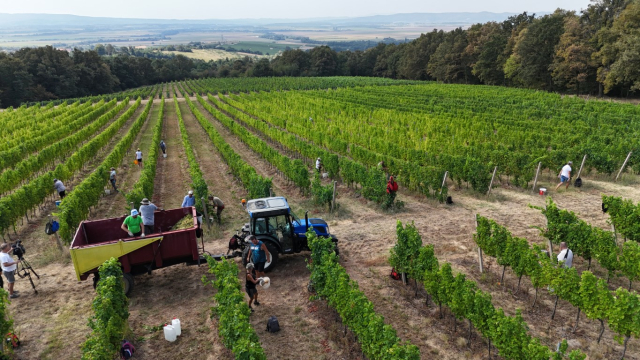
(280, 9)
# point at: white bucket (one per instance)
(164, 155)
(169, 333)
(176, 326)
(265, 282)
(107, 191)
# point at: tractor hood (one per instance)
(320, 226)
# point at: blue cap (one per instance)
(134, 212)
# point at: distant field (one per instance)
(264, 47)
(210, 54)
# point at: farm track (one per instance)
(287, 298)
(53, 323)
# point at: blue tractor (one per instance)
(272, 222)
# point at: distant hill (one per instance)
(8, 21)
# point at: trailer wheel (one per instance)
(127, 280)
(273, 250)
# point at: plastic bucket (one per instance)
(543, 191)
(164, 155)
(58, 203)
(107, 191)
(265, 282)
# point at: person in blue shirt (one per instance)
(189, 200)
(260, 254)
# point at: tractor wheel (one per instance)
(245, 252)
(273, 250)
(127, 282)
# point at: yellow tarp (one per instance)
(88, 258)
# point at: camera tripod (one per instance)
(24, 270)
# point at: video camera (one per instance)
(18, 249)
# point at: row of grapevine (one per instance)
(15, 205)
(75, 206)
(44, 117)
(591, 242)
(426, 180)
(295, 170)
(143, 188)
(198, 184)
(586, 292)
(331, 282)
(109, 321)
(78, 132)
(509, 334)
(256, 185)
(624, 215)
(233, 312)
(39, 139)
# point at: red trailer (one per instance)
(97, 241)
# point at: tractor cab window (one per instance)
(261, 227)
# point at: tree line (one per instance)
(596, 51)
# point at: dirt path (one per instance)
(115, 204)
(287, 298)
(220, 180)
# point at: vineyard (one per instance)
(479, 272)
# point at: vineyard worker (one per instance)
(565, 175)
(260, 255)
(59, 186)
(250, 285)
(189, 200)
(392, 188)
(383, 167)
(219, 205)
(133, 224)
(565, 256)
(318, 165)
(8, 268)
(147, 209)
(163, 147)
(139, 157)
(112, 179)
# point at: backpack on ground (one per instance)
(578, 182)
(394, 274)
(127, 350)
(273, 325)
(51, 227)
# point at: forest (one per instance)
(593, 52)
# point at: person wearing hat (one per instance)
(163, 147)
(133, 224)
(112, 179)
(565, 175)
(139, 157)
(147, 209)
(59, 186)
(250, 285)
(318, 165)
(189, 200)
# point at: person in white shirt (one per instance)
(139, 157)
(318, 165)
(565, 256)
(8, 268)
(565, 175)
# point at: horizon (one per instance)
(277, 10)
